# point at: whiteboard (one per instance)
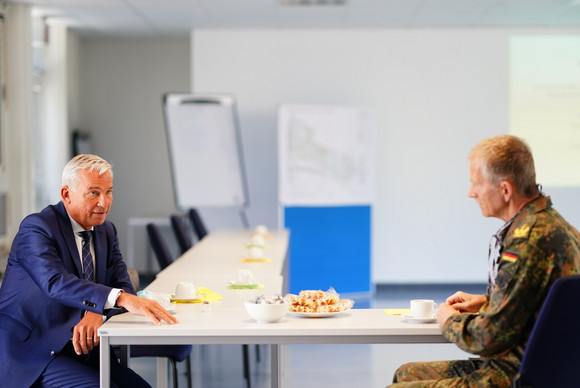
(205, 150)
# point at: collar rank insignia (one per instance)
(522, 231)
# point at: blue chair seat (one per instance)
(552, 355)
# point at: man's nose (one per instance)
(103, 201)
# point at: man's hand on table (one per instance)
(443, 312)
(466, 303)
(460, 302)
(146, 307)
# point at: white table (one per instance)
(234, 326)
(212, 263)
(220, 253)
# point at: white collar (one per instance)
(76, 226)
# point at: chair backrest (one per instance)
(198, 225)
(134, 275)
(181, 233)
(159, 246)
(552, 355)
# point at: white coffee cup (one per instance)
(261, 229)
(423, 308)
(245, 277)
(185, 290)
(258, 239)
(256, 252)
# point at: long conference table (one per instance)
(213, 263)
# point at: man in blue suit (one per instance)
(59, 287)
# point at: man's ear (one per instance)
(65, 194)
(506, 189)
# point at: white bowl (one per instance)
(265, 312)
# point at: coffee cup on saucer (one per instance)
(186, 290)
(258, 239)
(245, 277)
(256, 252)
(261, 229)
(423, 308)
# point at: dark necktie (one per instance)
(88, 269)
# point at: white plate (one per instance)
(317, 315)
(412, 319)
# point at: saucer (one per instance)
(412, 319)
(233, 285)
(196, 299)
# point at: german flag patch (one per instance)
(509, 257)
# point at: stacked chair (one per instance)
(173, 353)
(197, 223)
(200, 232)
(181, 233)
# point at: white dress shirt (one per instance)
(115, 292)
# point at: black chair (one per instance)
(198, 225)
(159, 246)
(164, 258)
(552, 355)
(174, 353)
(181, 233)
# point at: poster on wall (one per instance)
(326, 155)
(326, 188)
(545, 104)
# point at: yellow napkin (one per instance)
(397, 311)
(210, 296)
(255, 260)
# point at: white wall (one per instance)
(17, 163)
(51, 133)
(436, 91)
(121, 85)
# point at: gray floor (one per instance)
(337, 366)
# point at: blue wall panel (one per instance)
(329, 247)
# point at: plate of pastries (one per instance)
(317, 303)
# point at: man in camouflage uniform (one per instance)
(534, 248)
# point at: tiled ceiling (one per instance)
(178, 17)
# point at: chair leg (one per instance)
(246, 353)
(188, 371)
(257, 353)
(174, 369)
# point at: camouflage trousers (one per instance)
(473, 373)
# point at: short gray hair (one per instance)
(70, 173)
(507, 157)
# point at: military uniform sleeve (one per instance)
(525, 269)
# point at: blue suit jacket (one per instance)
(43, 295)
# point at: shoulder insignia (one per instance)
(522, 231)
(509, 257)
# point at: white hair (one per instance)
(70, 173)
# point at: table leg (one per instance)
(105, 362)
(275, 366)
(161, 372)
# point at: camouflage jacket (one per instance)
(539, 247)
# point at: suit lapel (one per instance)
(68, 236)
